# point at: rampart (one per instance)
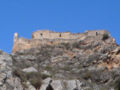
(46, 37)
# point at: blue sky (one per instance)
(26, 16)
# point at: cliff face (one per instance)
(90, 63)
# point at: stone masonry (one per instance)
(47, 37)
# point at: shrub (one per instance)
(33, 77)
(66, 46)
(87, 76)
(48, 68)
(44, 76)
(36, 82)
(66, 68)
(117, 84)
(105, 36)
(20, 74)
(76, 45)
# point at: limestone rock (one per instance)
(7, 81)
(30, 69)
(62, 84)
(64, 63)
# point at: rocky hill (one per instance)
(47, 37)
(90, 63)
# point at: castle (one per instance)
(43, 37)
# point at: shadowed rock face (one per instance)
(92, 63)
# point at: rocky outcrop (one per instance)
(90, 63)
(30, 69)
(61, 84)
(7, 81)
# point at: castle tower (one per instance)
(15, 37)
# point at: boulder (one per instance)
(30, 69)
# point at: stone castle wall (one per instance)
(50, 35)
(96, 32)
(42, 34)
(44, 37)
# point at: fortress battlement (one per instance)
(43, 37)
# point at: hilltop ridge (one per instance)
(54, 61)
(47, 37)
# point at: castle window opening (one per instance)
(60, 35)
(41, 34)
(96, 33)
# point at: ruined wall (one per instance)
(95, 32)
(46, 34)
(65, 35)
(46, 37)
(77, 36)
(41, 34)
(50, 35)
(23, 44)
(54, 35)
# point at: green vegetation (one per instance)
(87, 76)
(105, 36)
(66, 46)
(117, 84)
(35, 78)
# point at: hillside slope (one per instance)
(92, 63)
